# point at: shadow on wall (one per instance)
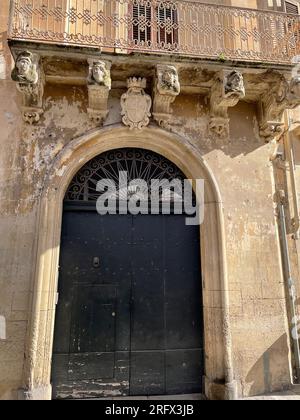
(267, 375)
(191, 119)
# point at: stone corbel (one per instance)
(284, 94)
(166, 89)
(227, 90)
(99, 86)
(30, 82)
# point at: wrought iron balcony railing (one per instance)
(187, 28)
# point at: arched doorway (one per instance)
(129, 320)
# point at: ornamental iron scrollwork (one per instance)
(139, 164)
(161, 26)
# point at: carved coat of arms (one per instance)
(136, 104)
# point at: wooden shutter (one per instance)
(167, 14)
(141, 26)
(291, 8)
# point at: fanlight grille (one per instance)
(141, 168)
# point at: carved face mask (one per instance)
(169, 78)
(236, 81)
(295, 86)
(98, 73)
(23, 66)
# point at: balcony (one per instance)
(180, 28)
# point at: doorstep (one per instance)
(292, 395)
(187, 397)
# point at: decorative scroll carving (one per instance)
(227, 91)
(283, 94)
(167, 88)
(30, 82)
(136, 104)
(99, 86)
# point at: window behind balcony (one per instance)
(155, 24)
(142, 22)
(167, 21)
(291, 8)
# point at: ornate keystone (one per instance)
(227, 91)
(99, 86)
(136, 104)
(167, 88)
(284, 94)
(30, 82)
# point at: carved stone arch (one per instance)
(219, 379)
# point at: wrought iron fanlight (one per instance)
(141, 166)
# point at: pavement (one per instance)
(292, 395)
(280, 396)
(189, 397)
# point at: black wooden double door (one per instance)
(129, 314)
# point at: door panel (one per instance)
(184, 371)
(148, 284)
(129, 318)
(92, 340)
(183, 288)
(167, 307)
(93, 320)
(147, 373)
(91, 366)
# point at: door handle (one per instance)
(96, 262)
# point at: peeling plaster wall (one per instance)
(245, 176)
(243, 171)
(16, 227)
(257, 302)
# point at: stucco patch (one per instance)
(2, 68)
(2, 328)
(66, 115)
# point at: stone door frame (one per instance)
(219, 377)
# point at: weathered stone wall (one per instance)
(16, 226)
(294, 240)
(243, 172)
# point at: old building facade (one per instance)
(204, 91)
